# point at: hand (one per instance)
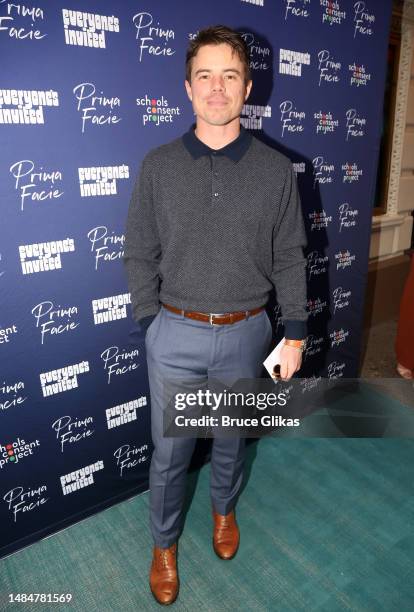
(290, 361)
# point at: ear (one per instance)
(248, 90)
(188, 89)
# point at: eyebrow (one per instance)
(225, 70)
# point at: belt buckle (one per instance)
(210, 318)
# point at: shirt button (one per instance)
(216, 195)
(216, 174)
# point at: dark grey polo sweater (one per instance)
(213, 231)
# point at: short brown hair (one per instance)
(217, 35)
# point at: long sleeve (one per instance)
(289, 263)
(142, 247)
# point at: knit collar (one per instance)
(234, 150)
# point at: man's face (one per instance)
(217, 90)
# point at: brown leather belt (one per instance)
(226, 318)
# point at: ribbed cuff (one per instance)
(295, 330)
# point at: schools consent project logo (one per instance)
(157, 110)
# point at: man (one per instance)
(214, 222)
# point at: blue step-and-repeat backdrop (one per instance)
(86, 89)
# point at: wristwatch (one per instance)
(299, 344)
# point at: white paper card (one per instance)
(274, 358)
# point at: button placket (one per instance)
(215, 187)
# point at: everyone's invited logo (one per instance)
(347, 216)
(325, 122)
(355, 124)
(351, 172)
(296, 8)
(340, 298)
(111, 308)
(291, 62)
(94, 109)
(124, 413)
(328, 68)
(331, 13)
(363, 20)
(96, 181)
(157, 111)
(291, 119)
(299, 167)
(35, 184)
(22, 106)
(62, 379)
(344, 259)
(317, 264)
(253, 114)
(105, 246)
(44, 256)
(22, 22)
(87, 29)
(319, 220)
(154, 40)
(323, 172)
(81, 478)
(359, 76)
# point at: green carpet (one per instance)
(326, 524)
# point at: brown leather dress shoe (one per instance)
(163, 576)
(226, 535)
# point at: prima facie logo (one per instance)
(154, 39)
(341, 298)
(22, 22)
(336, 369)
(329, 69)
(157, 110)
(317, 264)
(35, 184)
(355, 124)
(347, 216)
(96, 110)
(260, 55)
(296, 8)
(323, 172)
(363, 20)
(291, 119)
(87, 29)
(291, 62)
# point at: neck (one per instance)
(217, 136)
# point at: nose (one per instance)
(217, 83)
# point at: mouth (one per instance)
(216, 102)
